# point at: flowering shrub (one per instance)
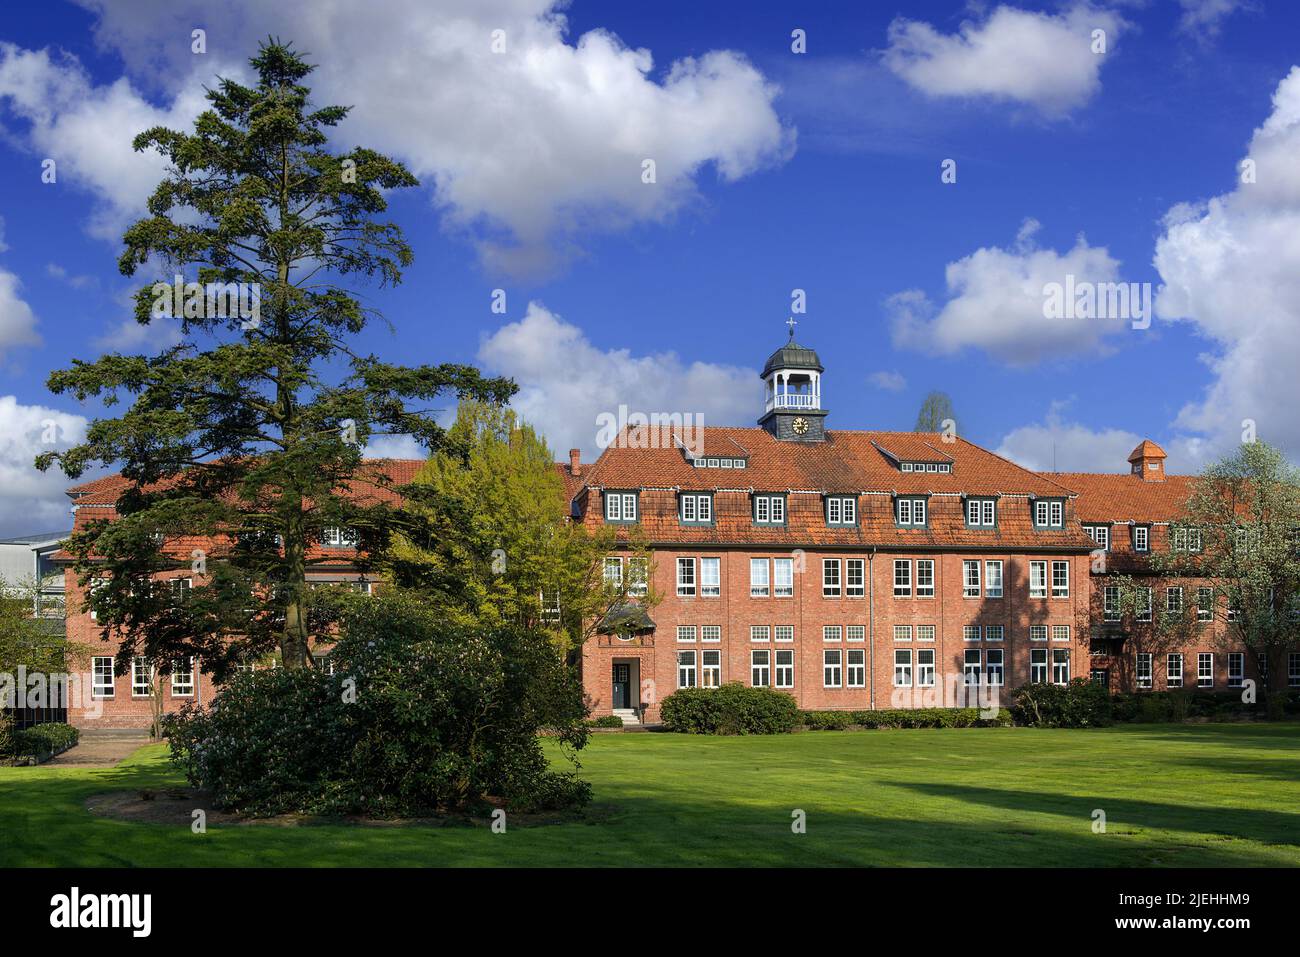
(417, 718)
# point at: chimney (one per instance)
(575, 466)
(1148, 461)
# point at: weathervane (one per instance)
(791, 322)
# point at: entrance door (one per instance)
(622, 686)
(1101, 676)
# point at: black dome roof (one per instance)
(792, 355)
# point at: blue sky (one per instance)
(776, 171)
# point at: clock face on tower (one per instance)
(800, 425)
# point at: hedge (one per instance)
(903, 718)
(731, 709)
(7, 735)
(1080, 704)
(42, 739)
(606, 721)
(1166, 706)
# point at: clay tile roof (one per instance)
(1147, 450)
(1126, 497)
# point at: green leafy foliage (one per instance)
(903, 718)
(1080, 704)
(42, 739)
(1196, 705)
(249, 430)
(419, 717)
(730, 709)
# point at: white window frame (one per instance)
(614, 579)
(925, 583)
(1038, 666)
(710, 577)
(855, 633)
(686, 634)
(903, 583)
(783, 633)
(1099, 534)
(141, 677)
(972, 667)
(993, 582)
(638, 576)
(902, 633)
(831, 578)
(855, 668)
(970, 583)
(686, 675)
(925, 670)
(909, 511)
(925, 632)
(1143, 670)
(970, 632)
(832, 668)
(994, 633)
(994, 670)
(711, 670)
(1174, 676)
(1061, 590)
(902, 667)
(696, 508)
(1146, 612)
(832, 633)
(1061, 634)
(1038, 572)
(1205, 663)
(101, 687)
(1236, 669)
(760, 584)
(760, 668)
(183, 688)
(855, 577)
(1141, 538)
(620, 506)
(1060, 656)
(687, 584)
(332, 536)
(784, 674)
(710, 633)
(783, 578)
(760, 633)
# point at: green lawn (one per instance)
(1197, 795)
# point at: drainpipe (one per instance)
(871, 621)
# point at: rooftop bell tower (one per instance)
(792, 393)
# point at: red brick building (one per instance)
(860, 569)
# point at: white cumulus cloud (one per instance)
(1231, 269)
(566, 382)
(32, 501)
(1058, 445)
(1043, 60)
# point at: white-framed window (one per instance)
(832, 633)
(1185, 539)
(710, 633)
(1145, 601)
(549, 600)
(841, 510)
(832, 671)
(925, 668)
(686, 576)
(711, 669)
(760, 633)
(1037, 579)
(334, 537)
(1038, 665)
(1204, 603)
(1049, 513)
(760, 572)
(1037, 632)
(686, 669)
(1061, 633)
(902, 578)
(696, 509)
(1141, 538)
(1110, 603)
(620, 506)
(910, 512)
(1236, 669)
(710, 577)
(1060, 666)
(141, 677)
(1174, 670)
(981, 512)
(994, 633)
(1144, 669)
(902, 632)
(993, 667)
(830, 578)
(902, 667)
(925, 578)
(1099, 534)
(970, 579)
(614, 573)
(783, 585)
(857, 668)
(183, 678)
(638, 576)
(783, 633)
(760, 668)
(686, 633)
(1174, 599)
(1205, 669)
(993, 579)
(784, 668)
(1060, 579)
(855, 633)
(179, 589)
(970, 633)
(95, 585)
(769, 509)
(970, 666)
(855, 574)
(1293, 670)
(925, 632)
(101, 683)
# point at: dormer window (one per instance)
(620, 506)
(1099, 534)
(841, 510)
(1141, 538)
(333, 537)
(703, 463)
(769, 509)
(1049, 513)
(981, 513)
(696, 508)
(910, 512)
(944, 468)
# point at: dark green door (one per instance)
(622, 686)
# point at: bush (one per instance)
(903, 718)
(731, 709)
(1080, 704)
(42, 739)
(419, 717)
(7, 738)
(606, 721)
(1179, 705)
